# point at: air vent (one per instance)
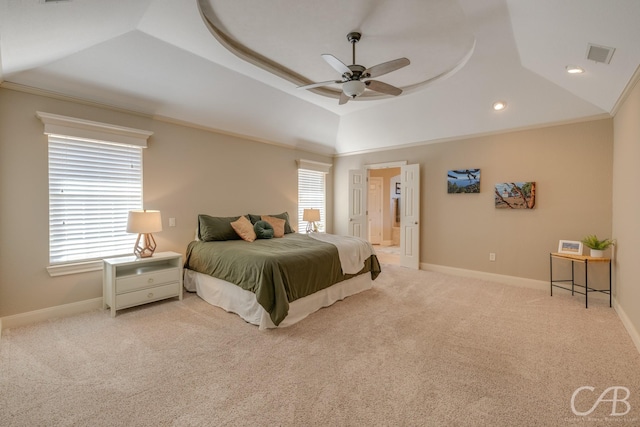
(601, 54)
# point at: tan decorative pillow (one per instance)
(276, 223)
(244, 228)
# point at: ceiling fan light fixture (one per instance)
(352, 75)
(353, 88)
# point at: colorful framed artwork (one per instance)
(515, 195)
(463, 181)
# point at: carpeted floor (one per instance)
(393, 250)
(388, 254)
(420, 349)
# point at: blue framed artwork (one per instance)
(463, 181)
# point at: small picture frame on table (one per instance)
(570, 247)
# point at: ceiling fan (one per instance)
(355, 78)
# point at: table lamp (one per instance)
(144, 222)
(311, 216)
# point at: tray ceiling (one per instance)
(160, 58)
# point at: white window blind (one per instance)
(92, 187)
(311, 195)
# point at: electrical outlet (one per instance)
(172, 222)
(492, 256)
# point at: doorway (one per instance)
(409, 207)
(383, 208)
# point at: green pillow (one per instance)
(263, 230)
(284, 215)
(211, 228)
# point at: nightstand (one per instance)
(130, 281)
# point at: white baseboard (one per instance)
(501, 278)
(628, 325)
(31, 317)
(492, 277)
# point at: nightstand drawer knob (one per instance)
(150, 280)
(150, 295)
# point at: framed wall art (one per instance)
(463, 181)
(515, 195)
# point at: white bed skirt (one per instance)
(234, 299)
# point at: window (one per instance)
(95, 179)
(312, 191)
(92, 188)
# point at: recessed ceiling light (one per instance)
(500, 105)
(574, 69)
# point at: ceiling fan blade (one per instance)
(383, 87)
(337, 65)
(386, 67)
(313, 85)
(343, 99)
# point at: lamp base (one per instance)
(312, 227)
(149, 246)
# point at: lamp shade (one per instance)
(144, 221)
(311, 215)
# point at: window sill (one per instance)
(74, 268)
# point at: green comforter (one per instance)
(278, 271)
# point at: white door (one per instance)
(358, 203)
(374, 210)
(410, 216)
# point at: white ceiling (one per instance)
(160, 58)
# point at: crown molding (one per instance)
(330, 152)
(627, 90)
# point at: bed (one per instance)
(274, 282)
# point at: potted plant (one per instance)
(596, 245)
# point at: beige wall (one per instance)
(626, 209)
(571, 165)
(186, 172)
(189, 171)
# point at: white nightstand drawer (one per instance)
(147, 295)
(141, 281)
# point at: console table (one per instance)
(586, 260)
